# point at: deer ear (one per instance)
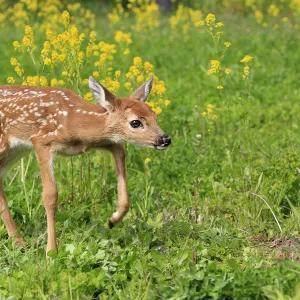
(103, 96)
(143, 91)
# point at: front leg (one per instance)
(45, 159)
(118, 152)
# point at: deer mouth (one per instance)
(161, 147)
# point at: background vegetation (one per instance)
(216, 216)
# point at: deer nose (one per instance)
(165, 140)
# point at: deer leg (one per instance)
(45, 158)
(8, 221)
(118, 152)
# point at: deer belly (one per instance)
(72, 150)
(11, 152)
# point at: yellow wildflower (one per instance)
(129, 75)
(246, 59)
(13, 61)
(43, 81)
(137, 61)
(210, 18)
(259, 16)
(227, 71)
(89, 50)
(19, 71)
(215, 67)
(140, 78)
(122, 37)
(93, 35)
(134, 70)
(96, 74)
(62, 57)
(33, 80)
(47, 61)
(65, 18)
(219, 24)
(273, 10)
(157, 110)
(159, 88)
(81, 36)
(80, 57)
(26, 41)
(49, 34)
(126, 51)
(204, 113)
(167, 102)
(127, 85)
(246, 70)
(74, 7)
(199, 23)
(148, 67)
(227, 44)
(220, 87)
(28, 31)
(147, 160)
(17, 46)
(54, 82)
(88, 96)
(10, 80)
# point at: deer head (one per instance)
(131, 119)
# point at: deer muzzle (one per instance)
(163, 142)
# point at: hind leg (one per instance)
(5, 162)
(8, 221)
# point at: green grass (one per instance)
(159, 251)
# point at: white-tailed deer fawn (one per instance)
(58, 121)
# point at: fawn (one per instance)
(58, 121)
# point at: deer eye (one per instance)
(135, 123)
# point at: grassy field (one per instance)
(216, 216)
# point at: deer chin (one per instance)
(160, 147)
(152, 146)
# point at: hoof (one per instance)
(20, 243)
(110, 224)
